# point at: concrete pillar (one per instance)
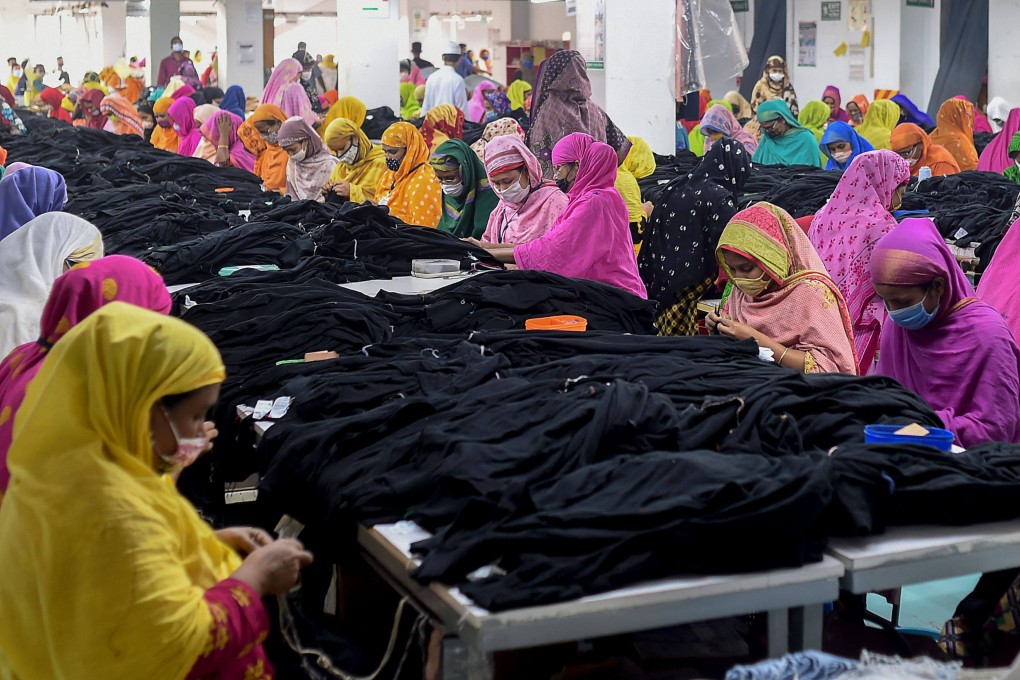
(639, 99)
(520, 21)
(920, 42)
(164, 24)
(887, 18)
(1003, 80)
(113, 29)
(239, 44)
(370, 46)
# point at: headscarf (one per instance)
(476, 107)
(842, 132)
(240, 157)
(464, 216)
(270, 161)
(995, 158)
(797, 147)
(517, 93)
(998, 110)
(140, 547)
(296, 103)
(305, 178)
(814, 117)
(497, 128)
(840, 115)
(520, 223)
(591, 238)
(743, 106)
(331, 97)
(765, 90)
(286, 73)
(205, 150)
(677, 258)
(55, 99)
(913, 114)
(7, 96)
(934, 156)
(976, 394)
(27, 194)
(182, 113)
(720, 118)
(31, 259)
(643, 161)
(94, 97)
(442, 122)
(998, 283)
(805, 311)
(234, 101)
(981, 123)
(348, 108)
(157, 94)
(500, 103)
(75, 295)
(366, 171)
(881, 119)
(410, 108)
(562, 105)
(955, 132)
(845, 232)
(178, 89)
(412, 193)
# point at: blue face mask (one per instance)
(914, 317)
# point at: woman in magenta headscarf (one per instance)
(834, 101)
(591, 238)
(998, 283)
(182, 116)
(476, 107)
(74, 296)
(995, 158)
(845, 232)
(221, 131)
(286, 73)
(935, 323)
(87, 110)
(295, 102)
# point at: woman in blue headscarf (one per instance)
(912, 114)
(841, 144)
(785, 141)
(234, 101)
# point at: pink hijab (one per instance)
(845, 232)
(240, 157)
(998, 283)
(591, 238)
(286, 73)
(513, 223)
(74, 296)
(476, 107)
(296, 103)
(182, 113)
(721, 118)
(995, 158)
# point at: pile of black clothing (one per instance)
(969, 208)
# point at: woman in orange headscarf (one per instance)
(918, 150)
(409, 187)
(259, 135)
(955, 132)
(163, 135)
(122, 115)
(856, 109)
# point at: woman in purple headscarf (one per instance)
(831, 97)
(28, 193)
(941, 341)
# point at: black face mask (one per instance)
(393, 164)
(772, 132)
(564, 184)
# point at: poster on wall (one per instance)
(806, 39)
(591, 32)
(571, 8)
(859, 14)
(832, 11)
(419, 22)
(857, 61)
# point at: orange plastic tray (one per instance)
(557, 323)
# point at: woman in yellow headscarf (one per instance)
(163, 135)
(879, 122)
(349, 108)
(361, 166)
(410, 107)
(639, 163)
(814, 116)
(108, 571)
(409, 186)
(517, 93)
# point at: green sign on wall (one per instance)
(739, 5)
(921, 3)
(832, 11)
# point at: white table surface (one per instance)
(408, 285)
(908, 555)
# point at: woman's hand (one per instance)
(735, 329)
(342, 189)
(210, 432)
(245, 540)
(224, 126)
(275, 568)
(712, 321)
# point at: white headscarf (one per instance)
(997, 108)
(31, 259)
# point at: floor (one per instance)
(928, 605)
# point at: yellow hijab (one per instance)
(638, 164)
(881, 119)
(351, 108)
(640, 160)
(105, 563)
(364, 174)
(517, 93)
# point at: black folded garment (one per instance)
(377, 120)
(968, 208)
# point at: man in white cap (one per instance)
(445, 86)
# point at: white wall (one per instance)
(1003, 50)
(920, 37)
(831, 70)
(550, 22)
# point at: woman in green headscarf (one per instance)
(814, 116)
(784, 140)
(468, 200)
(410, 108)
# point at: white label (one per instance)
(262, 408)
(960, 234)
(280, 407)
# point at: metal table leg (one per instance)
(778, 632)
(806, 627)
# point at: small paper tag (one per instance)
(280, 408)
(262, 409)
(960, 234)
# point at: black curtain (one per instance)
(769, 38)
(964, 60)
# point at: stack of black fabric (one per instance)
(969, 208)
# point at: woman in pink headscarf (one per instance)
(296, 103)
(941, 341)
(845, 232)
(832, 99)
(528, 204)
(286, 73)
(719, 122)
(591, 237)
(998, 283)
(182, 116)
(476, 107)
(221, 131)
(995, 158)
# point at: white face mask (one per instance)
(186, 452)
(299, 156)
(177, 47)
(514, 194)
(17, 73)
(177, 128)
(842, 156)
(306, 76)
(776, 77)
(350, 155)
(453, 190)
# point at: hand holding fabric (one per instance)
(244, 540)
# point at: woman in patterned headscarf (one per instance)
(497, 128)
(409, 187)
(442, 123)
(775, 84)
(468, 200)
(122, 117)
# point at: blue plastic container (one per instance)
(886, 434)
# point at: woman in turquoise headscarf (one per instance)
(468, 199)
(784, 140)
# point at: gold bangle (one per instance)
(783, 356)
